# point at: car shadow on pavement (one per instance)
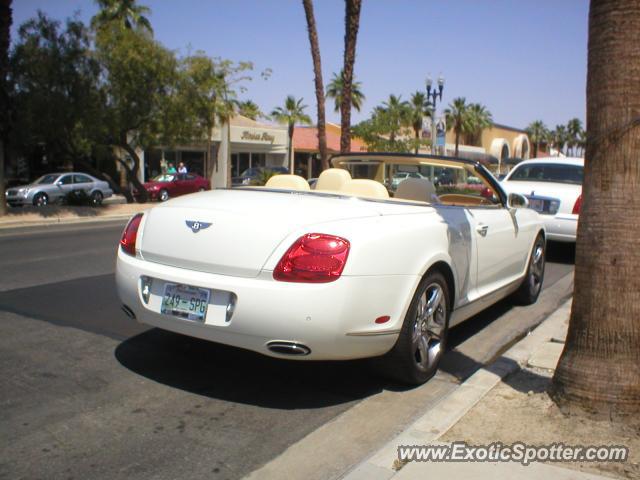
(561, 252)
(237, 375)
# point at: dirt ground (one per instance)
(519, 410)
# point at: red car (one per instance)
(168, 185)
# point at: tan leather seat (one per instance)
(417, 189)
(332, 179)
(365, 188)
(288, 182)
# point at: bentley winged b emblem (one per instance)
(196, 226)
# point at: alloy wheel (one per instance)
(428, 328)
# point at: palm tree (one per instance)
(317, 71)
(598, 369)
(397, 115)
(5, 37)
(290, 114)
(250, 110)
(419, 108)
(559, 136)
(582, 142)
(478, 119)
(335, 88)
(538, 133)
(124, 12)
(352, 23)
(457, 116)
(574, 127)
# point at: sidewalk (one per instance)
(506, 402)
(114, 208)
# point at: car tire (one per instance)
(96, 198)
(40, 199)
(163, 196)
(422, 341)
(531, 286)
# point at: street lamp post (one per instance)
(434, 94)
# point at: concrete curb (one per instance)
(62, 221)
(434, 423)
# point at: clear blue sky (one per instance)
(523, 59)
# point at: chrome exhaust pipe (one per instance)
(289, 348)
(128, 312)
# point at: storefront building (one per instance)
(307, 151)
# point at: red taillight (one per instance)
(313, 258)
(577, 206)
(128, 240)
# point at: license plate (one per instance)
(536, 204)
(185, 301)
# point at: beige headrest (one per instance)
(332, 179)
(289, 182)
(365, 188)
(418, 189)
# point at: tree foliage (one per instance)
(56, 95)
(336, 87)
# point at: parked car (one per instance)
(54, 187)
(341, 272)
(168, 185)
(250, 175)
(553, 187)
(400, 176)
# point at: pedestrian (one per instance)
(182, 168)
(171, 170)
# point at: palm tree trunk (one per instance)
(417, 133)
(598, 371)
(535, 150)
(457, 143)
(352, 22)
(290, 158)
(317, 70)
(5, 35)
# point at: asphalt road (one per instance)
(87, 393)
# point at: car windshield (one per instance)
(548, 172)
(165, 177)
(46, 179)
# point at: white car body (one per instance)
(561, 225)
(393, 244)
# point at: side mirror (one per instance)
(516, 200)
(59, 183)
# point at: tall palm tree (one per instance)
(126, 12)
(479, 118)
(291, 113)
(538, 133)
(397, 115)
(559, 136)
(457, 116)
(249, 109)
(335, 88)
(5, 36)
(352, 23)
(317, 71)
(598, 369)
(419, 108)
(574, 127)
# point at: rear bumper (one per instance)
(336, 320)
(561, 227)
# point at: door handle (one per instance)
(482, 230)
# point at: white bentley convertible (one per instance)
(362, 266)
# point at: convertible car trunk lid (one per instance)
(234, 232)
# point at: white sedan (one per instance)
(553, 187)
(348, 270)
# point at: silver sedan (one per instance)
(53, 187)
